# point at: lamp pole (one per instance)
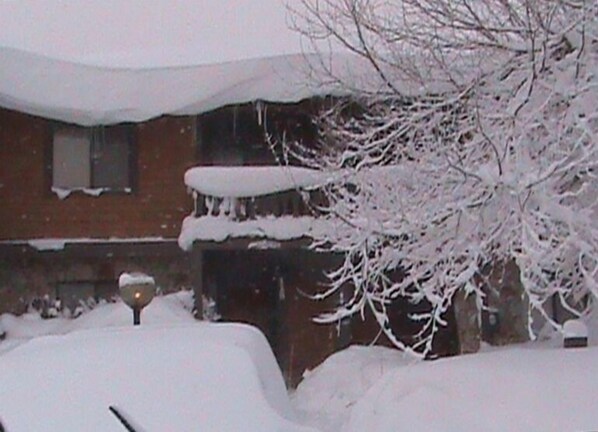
(137, 290)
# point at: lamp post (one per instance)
(137, 290)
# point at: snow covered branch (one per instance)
(481, 149)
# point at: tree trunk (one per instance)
(468, 324)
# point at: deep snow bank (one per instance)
(529, 388)
(327, 394)
(168, 309)
(182, 377)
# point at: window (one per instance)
(98, 157)
(237, 135)
(232, 136)
(76, 295)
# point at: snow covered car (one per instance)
(184, 377)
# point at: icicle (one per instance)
(259, 108)
(195, 203)
(281, 292)
(222, 207)
(265, 118)
(235, 118)
(210, 205)
(232, 207)
(242, 208)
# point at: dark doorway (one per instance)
(245, 285)
(271, 290)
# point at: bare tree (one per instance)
(476, 143)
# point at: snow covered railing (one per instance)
(257, 202)
(289, 203)
(248, 193)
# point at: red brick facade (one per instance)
(266, 288)
(165, 149)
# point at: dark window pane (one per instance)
(233, 136)
(110, 153)
(70, 158)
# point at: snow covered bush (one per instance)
(477, 147)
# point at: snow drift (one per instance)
(529, 389)
(179, 377)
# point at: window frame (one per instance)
(132, 158)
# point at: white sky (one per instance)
(148, 33)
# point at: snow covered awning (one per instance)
(58, 244)
(251, 181)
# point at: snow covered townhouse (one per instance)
(165, 171)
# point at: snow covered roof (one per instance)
(108, 61)
(90, 95)
(251, 181)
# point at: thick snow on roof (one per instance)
(242, 181)
(142, 34)
(90, 95)
(109, 61)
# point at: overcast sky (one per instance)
(146, 33)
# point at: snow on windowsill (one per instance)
(251, 181)
(218, 229)
(64, 193)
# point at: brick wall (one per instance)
(30, 210)
(27, 275)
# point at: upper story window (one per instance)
(250, 135)
(232, 136)
(98, 157)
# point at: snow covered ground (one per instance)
(527, 388)
(170, 309)
(173, 373)
(170, 373)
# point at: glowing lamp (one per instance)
(137, 290)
